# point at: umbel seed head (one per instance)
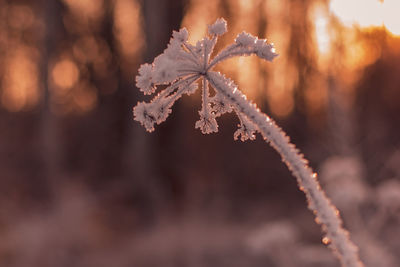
(182, 65)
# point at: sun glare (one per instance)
(391, 16)
(368, 13)
(321, 31)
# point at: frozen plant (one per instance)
(182, 64)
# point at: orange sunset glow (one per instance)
(83, 184)
(371, 13)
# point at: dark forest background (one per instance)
(82, 184)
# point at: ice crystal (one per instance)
(143, 112)
(207, 123)
(183, 64)
(220, 105)
(245, 39)
(246, 129)
(218, 28)
(143, 80)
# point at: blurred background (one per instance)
(82, 184)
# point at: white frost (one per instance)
(218, 28)
(182, 64)
(245, 39)
(144, 79)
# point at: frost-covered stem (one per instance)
(187, 71)
(205, 57)
(222, 55)
(192, 53)
(176, 84)
(182, 90)
(182, 64)
(232, 54)
(205, 100)
(326, 214)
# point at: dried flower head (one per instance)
(182, 65)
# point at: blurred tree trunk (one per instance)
(51, 151)
(160, 18)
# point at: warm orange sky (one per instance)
(371, 13)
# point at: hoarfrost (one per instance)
(182, 64)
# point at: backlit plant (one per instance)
(181, 65)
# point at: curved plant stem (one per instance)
(181, 60)
(326, 214)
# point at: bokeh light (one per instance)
(128, 32)
(65, 74)
(127, 26)
(72, 158)
(20, 86)
(86, 9)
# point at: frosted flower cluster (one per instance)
(182, 65)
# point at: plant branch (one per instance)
(326, 214)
